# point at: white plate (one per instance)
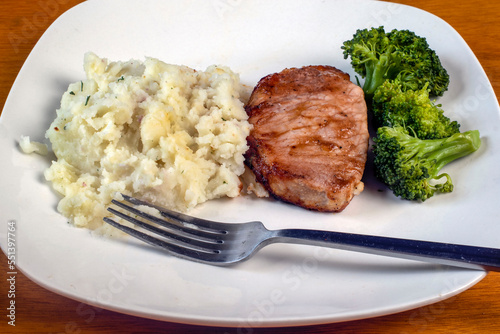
(283, 284)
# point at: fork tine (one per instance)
(172, 248)
(175, 225)
(184, 236)
(204, 243)
(208, 225)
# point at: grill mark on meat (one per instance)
(309, 139)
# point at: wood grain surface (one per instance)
(476, 310)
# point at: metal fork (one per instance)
(226, 243)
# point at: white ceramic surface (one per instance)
(284, 284)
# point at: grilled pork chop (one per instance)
(309, 140)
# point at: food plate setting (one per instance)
(282, 285)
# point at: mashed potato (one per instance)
(167, 134)
(29, 146)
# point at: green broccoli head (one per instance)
(410, 166)
(392, 106)
(378, 56)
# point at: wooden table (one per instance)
(40, 311)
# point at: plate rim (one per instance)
(217, 321)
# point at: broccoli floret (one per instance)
(378, 56)
(410, 166)
(393, 106)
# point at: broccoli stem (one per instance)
(377, 70)
(444, 151)
(375, 75)
(454, 147)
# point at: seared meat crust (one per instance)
(309, 140)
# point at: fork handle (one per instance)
(472, 257)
